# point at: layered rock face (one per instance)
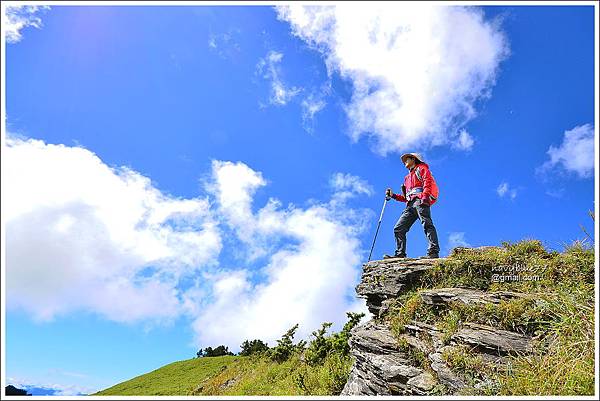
(412, 362)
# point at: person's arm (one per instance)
(427, 184)
(398, 197)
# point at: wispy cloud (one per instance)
(225, 45)
(269, 68)
(346, 186)
(463, 141)
(417, 71)
(456, 239)
(575, 155)
(311, 105)
(504, 190)
(19, 17)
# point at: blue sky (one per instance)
(179, 177)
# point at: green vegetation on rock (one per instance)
(556, 308)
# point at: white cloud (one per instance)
(457, 239)
(308, 279)
(417, 70)
(269, 69)
(349, 182)
(311, 105)
(504, 189)
(346, 186)
(575, 154)
(314, 103)
(233, 185)
(83, 236)
(16, 18)
(464, 141)
(56, 389)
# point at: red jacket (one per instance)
(419, 177)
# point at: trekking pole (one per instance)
(378, 224)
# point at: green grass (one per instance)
(474, 268)
(240, 375)
(261, 376)
(564, 363)
(177, 378)
(466, 361)
(558, 310)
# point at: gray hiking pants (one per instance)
(415, 210)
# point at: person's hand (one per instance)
(388, 192)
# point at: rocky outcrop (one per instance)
(415, 360)
(384, 280)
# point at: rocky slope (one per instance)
(413, 359)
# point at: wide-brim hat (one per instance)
(415, 155)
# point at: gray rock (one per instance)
(461, 249)
(356, 385)
(394, 368)
(440, 296)
(229, 383)
(385, 307)
(445, 375)
(493, 341)
(381, 366)
(374, 338)
(385, 279)
(420, 329)
(423, 382)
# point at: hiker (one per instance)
(420, 192)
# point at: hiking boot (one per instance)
(430, 256)
(386, 256)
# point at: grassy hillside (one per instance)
(239, 375)
(177, 378)
(261, 376)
